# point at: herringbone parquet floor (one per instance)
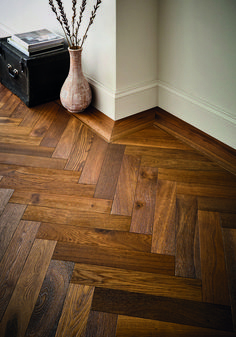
(134, 238)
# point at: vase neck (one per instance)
(75, 59)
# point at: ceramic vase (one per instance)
(75, 93)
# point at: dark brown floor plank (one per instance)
(187, 238)
(110, 171)
(162, 308)
(94, 161)
(10, 104)
(75, 312)
(101, 324)
(126, 186)
(212, 204)
(25, 149)
(214, 277)
(10, 121)
(69, 202)
(20, 111)
(20, 159)
(5, 195)
(138, 282)
(203, 190)
(220, 177)
(77, 218)
(56, 129)
(144, 203)
(140, 327)
(29, 182)
(115, 258)
(163, 234)
(153, 137)
(228, 220)
(32, 115)
(95, 237)
(9, 221)
(48, 308)
(79, 151)
(14, 259)
(229, 238)
(66, 142)
(24, 297)
(20, 139)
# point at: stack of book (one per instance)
(37, 42)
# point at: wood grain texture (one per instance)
(75, 312)
(228, 220)
(20, 308)
(207, 190)
(70, 202)
(213, 204)
(163, 234)
(229, 238)
(152, 137)
(136, 281)
(5, 195)
(126, 186)
(110, 171)
(101, 324)
(77, 218)
(14, 259)
(214, 278)
(145, 198)
(115, 258)
(48, 307)
(94, 161)
(95, 237)
(79, 151)
(9, 221)
(139, 327)
(216, 150)
(199, 314)
(25, 149)
(187, 238)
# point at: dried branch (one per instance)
(82, 9)
(58, 18)
(73, 21)
(92, 17)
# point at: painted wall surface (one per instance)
(197, 64)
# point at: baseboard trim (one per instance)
(221, 153)
(211, 119)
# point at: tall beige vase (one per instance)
(75, 93)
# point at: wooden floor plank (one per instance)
(20, 308)
(10, 104)
(229, 238)
(144, 203)
(115, 258)
(153, 137)
(20, 159)
(56, 129)
(5, 195)
(25, 149)
(80, 149)
(213, 204)
(75, 312)
(228, 220)
(163, 234)
(187, 238)
(214, 277)
(14, 259)
(94, 161)
(20, 111)
(110, 171)
(95, 237)
(220, 177)
(10, 121)
(69, 202)
(179, 311)
(101, 324)
(140, 327)
(47, 310)
(138, 282)
(9, 221)
(20, 139)
(77, 218)
(14, 130)
(126, 186)
(66, 142)
(203, 190)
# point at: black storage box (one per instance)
(36, 79)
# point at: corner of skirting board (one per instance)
(121, 104)
(207, 118)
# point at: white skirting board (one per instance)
(208, 118)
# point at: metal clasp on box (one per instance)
(12, 72)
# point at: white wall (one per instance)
(197, 64)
